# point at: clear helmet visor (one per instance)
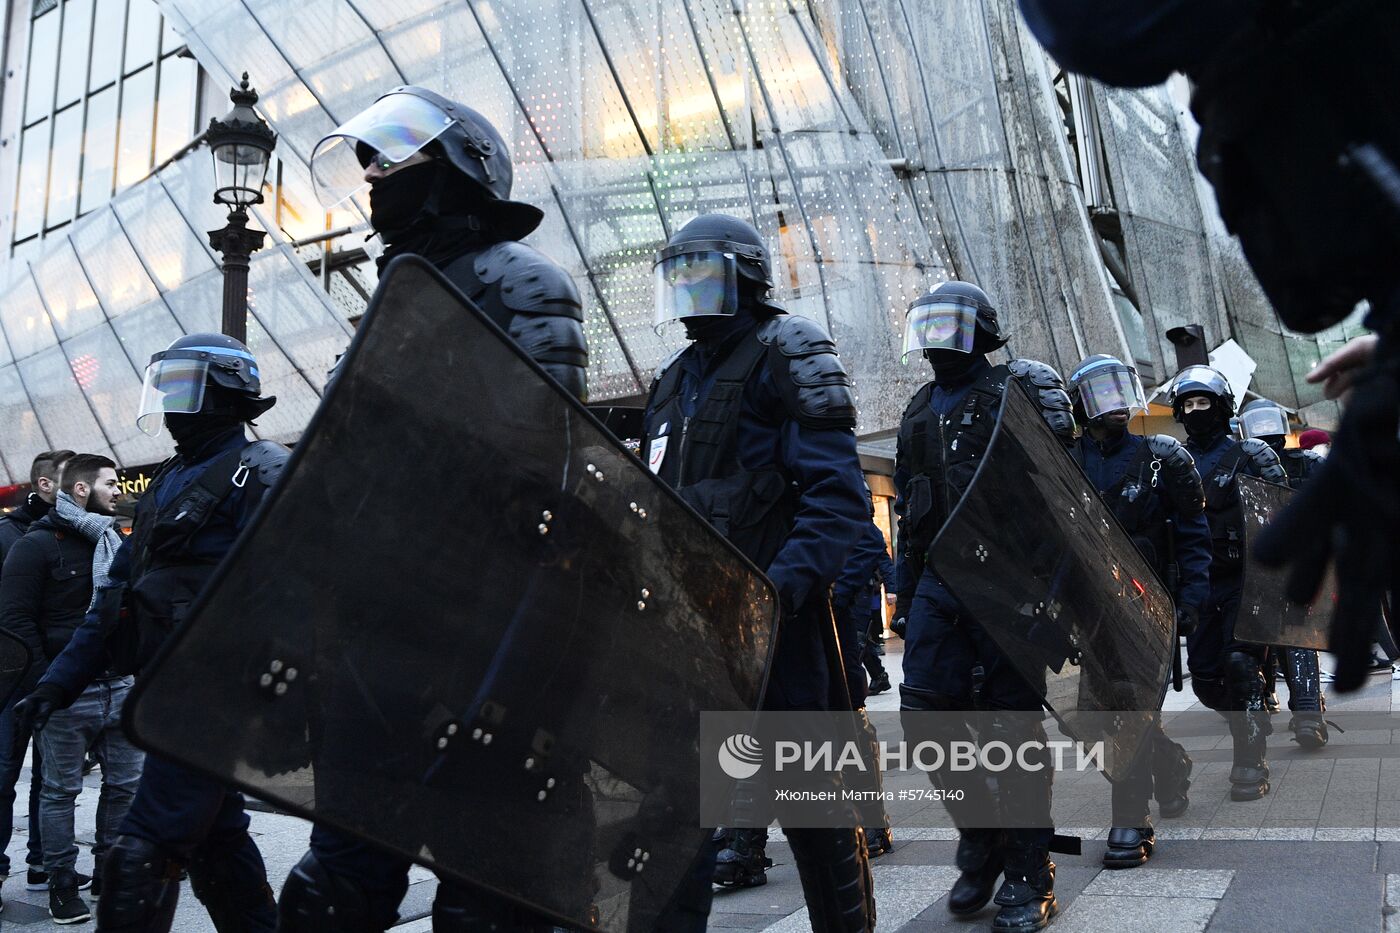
(1263, 422)
(1109, 390)
(395, 128)
(940, 326)
(171, 386)
(1204, 377)
(693, 285)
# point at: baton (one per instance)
(1173, 582)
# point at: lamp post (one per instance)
(241, 144)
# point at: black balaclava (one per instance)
(430, 210)
(952, 365)
(222, 413)
(711, 332)
(1204, 427)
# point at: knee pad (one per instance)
(140, 887)
(314, 900)
(232, 885)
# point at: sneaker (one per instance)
(66, 905)
(38, 880)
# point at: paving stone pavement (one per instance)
(1280, 873)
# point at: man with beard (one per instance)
(1226, 674)
(439, 178)
(205, 389)
(1152, 487)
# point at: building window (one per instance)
(107, 98)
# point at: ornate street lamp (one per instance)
(242, 147)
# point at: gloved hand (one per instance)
(1186, 620)
(34, 711)
(1347, 515)
(900, 620)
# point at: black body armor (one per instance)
(1223, 509)
(754, 510)
(942, 454)
(1160, 464)
(534, 300)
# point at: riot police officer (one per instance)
(950, 663)
(752, 423)
(1268, 422)
(1226, 674)
(204, 388)
(439, 178)
(1152, 486)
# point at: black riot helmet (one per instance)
(1264, 419)
(1202, 380)
(411, 119)
(179, 380)
(955, 316)
(1102, 385)
(700, 269)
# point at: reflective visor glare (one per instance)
(395, 127)
(1105, 392)
(940, 327)
(695, 285)
(1263, 422)
(170, 386)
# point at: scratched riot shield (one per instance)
(14, 664)
(1039, 560)
(468, 626)
(1266, 616)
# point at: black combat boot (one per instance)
(742, 861)
(1305, 698)
(1171, 776)
(1129, 847)
(980, 861)
(1027, 896)
(1249, 728)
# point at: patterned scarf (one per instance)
(99, 529)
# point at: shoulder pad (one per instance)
(1314, 458)
(266, 458)
(1041, 375)
(918, 400)
(1167, 449)
(666, 364)
(531, 282)
(1266, 463)
(811, 379)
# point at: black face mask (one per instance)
(951, 365)
(1201, 423)
(396, 201)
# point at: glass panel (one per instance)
(63, 172)
(138, 121)
(33, 170)
(172, 252)
(73, 57)
(22, 437)
(142, 34)
(73, 307)
(43, 54)
(107, 50)
(175, 106)
(99, 149)
(169, 39)
(54, 392)
(116, 273)
(26, 324)
(106, 377)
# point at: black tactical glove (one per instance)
(34, 711)
(1186, 620)
(1348, 516)
(900, 620)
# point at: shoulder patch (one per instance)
(530, 281)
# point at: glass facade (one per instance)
(875, 163)
(90, 125)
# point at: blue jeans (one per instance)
(12, 746)
(94, 721)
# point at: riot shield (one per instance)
(14, 664)
(468, 626)
(1036, 557)
(1266, 616)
